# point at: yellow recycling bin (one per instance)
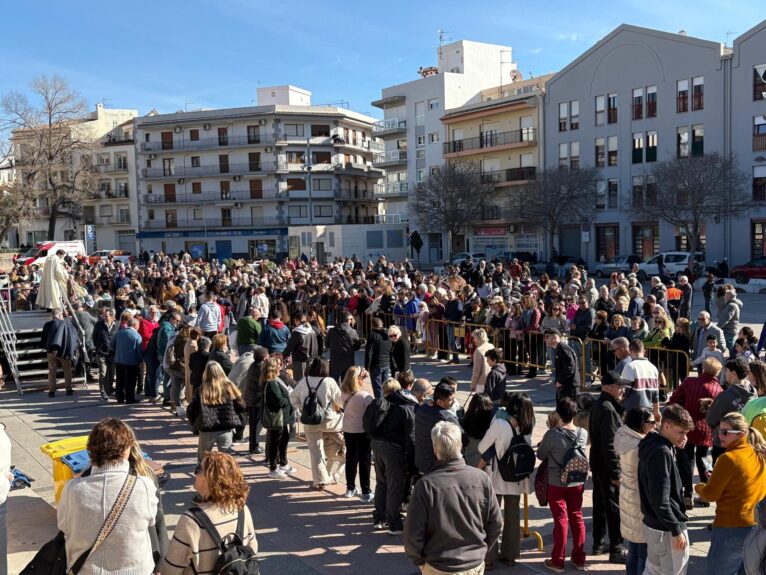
(57, 450)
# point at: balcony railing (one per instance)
(211, 196)
(759, 142)
(355, 220)
(218, 222)
(112, 168)
(390, 157)
(390, 218)
(230, 142)
(392, 189)
(113, 220)
(525, 136)
(509, 175)
(370, 145)
(214, 170)
(117, 139)
(390, 124)
(354, 168)
(353, 195)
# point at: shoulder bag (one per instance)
(51, 559)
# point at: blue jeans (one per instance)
(636, 558)
(725, 554)
(377, 377)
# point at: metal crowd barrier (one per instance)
(674, 365)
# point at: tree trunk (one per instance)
(549, 247)
(52, 217)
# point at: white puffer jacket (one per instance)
(631, 519)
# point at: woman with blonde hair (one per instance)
(480, 365)
(737, 484)
(358, 444)
(196, 544)
(277, 417)
(215, 411)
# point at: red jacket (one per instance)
(145, 329)
(688, 395)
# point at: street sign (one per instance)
(90, 232)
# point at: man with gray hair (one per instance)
(453, 516)
(705, 328)
(728, 318)
(687, 291)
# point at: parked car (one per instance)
(676, 264)
(115, 255)
(615, 264)
(508, 257)
(562, 265)
(754, 269)
(458, 259)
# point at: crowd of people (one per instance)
(249, 352)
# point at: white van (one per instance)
(41, 250)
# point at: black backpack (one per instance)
(518, 462)
(311, 414)
(51, 559)
(374, 415)
(236, 558)
(574, 466)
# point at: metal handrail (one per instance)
(8, 339)
(81, 332)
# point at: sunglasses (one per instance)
(652, 421)
(726, 432)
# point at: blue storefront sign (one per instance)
(212, 233)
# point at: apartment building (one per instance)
(683, 97)
(110, 207)
(745, 238)
(228, 183)
(502, 134)
(411, 128)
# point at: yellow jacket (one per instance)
(737, 484)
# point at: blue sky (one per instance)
(171, 54)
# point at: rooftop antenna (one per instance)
(726, 42)
(104, 101)
(443, 38)
(186, 106)
(503, 61)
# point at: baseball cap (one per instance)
(612, 378)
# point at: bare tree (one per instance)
(691, 192)
(52, 151)
(452, 198)
(558, 195)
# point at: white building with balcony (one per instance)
(228, 183)
(111, 208)
(412, 130)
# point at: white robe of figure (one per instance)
(53, 284)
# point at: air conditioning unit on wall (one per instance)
(206, 126)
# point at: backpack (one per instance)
(518, 462)
(574, 467)
(374, 415)
(312, 413)
(236, 558)
(51, 559)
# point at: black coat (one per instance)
(221, 357)
(605, 418)
(398, 428)
(197, 364)
(377, 353)
(102, 338)
(494, 385)
(60, 337)
(659, 485)
(343, 342)
(214, 417)
(253, 391)
(400, 355)
(567, 369)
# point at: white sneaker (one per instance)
(350, 493)
(277, 474)
(367, 497)
(286, 469)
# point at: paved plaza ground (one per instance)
(300, 530)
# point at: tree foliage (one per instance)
(452, 198)
(51, 151)
(691, 192)
(557, 196)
